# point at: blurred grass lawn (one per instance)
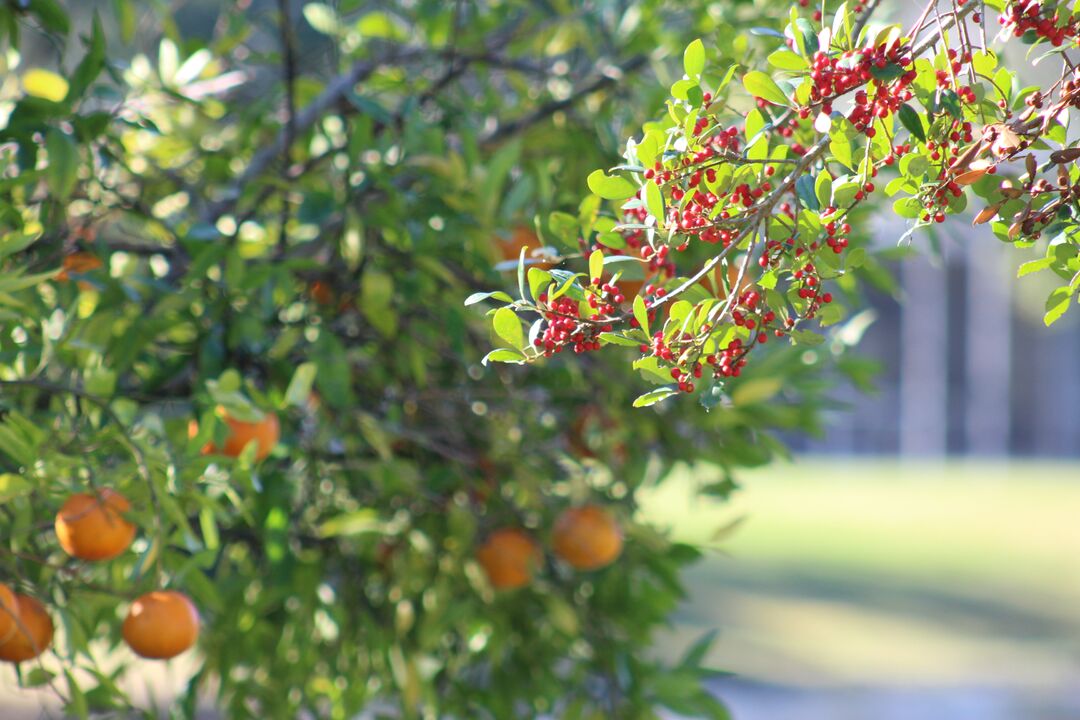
(874, 572)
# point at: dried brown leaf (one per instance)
(987, 214)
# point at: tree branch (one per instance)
(609, 77)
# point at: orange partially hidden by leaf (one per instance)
(265, 433)
(522, 237)
(8, 611)
(93, 527)
(78, 262)
(161, 625)
(587, 538)
(509, 557)
(33, 632)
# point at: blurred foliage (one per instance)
(216, 254)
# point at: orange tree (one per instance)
(243, 407)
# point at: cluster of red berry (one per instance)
(1043, 18)
(856, 7)
(839, 74)
(565, 327)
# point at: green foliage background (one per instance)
(339, 572)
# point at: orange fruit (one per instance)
(521, 237)
(78, 262)
(161, 625)
(93, 527)
(8, 611)
(587, 538)
(509, 557)
(265, 433)
(33, 632)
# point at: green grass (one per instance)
(868, 571)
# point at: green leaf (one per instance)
(299, 389)
(654, 396)
(908, 207)
(37, 677)
(357, 522)
(495, 295)
(911, 120)
(914, 165)
(63, 167)
(100, 382)
(13, 486)
(504, 355)
(840, 147)
(694, 59)
(1056, 305)
(508, 326)
(806, 337)
(823, 188)
(611, 187)
(1033, 266)
(596, 264)
(641, 313)
(322, 17)
(787, 60)
(695, 654)
(16, 242)
(886, 74)
(382, 25)
(14, 282)
(52, 15)
(91, 65)
(761, 85)
(538, 281)
(855, 258)
(611, 338)
(654, 201)
(76, 704)
(804, 188)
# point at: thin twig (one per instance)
(608, 78)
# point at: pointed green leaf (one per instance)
(761, 85)
(508, 326)
(694, 59)
(641, 313)
(654, 396)
(596, 264)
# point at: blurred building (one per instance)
(969, 368)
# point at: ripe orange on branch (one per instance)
(8, 612)
(509, 557)
(33, 632)
(93, 526)
(587, 537)
(265, 433)
(161, 625)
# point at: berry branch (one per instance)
(841, 108)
